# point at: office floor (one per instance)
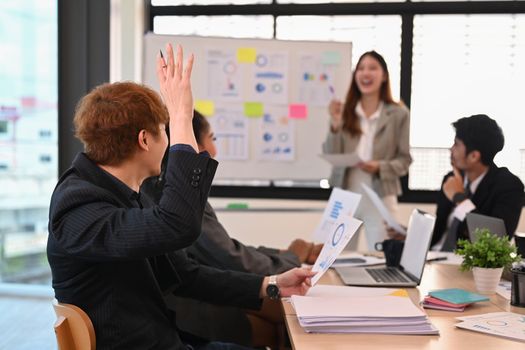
(26, 323)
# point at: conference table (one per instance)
(435, 276)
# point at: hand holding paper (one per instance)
(337, 238)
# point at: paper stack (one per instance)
(360, 310)
(451, 299)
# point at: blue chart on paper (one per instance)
(336, 209)
(338, 234)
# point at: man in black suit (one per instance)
(476, 184)
(113, 252)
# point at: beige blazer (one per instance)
(391, 149)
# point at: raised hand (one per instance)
(175, 88)
(335, 108)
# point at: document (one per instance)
(364, 311)
(340, 204)
(504, 324)
(385, 213)
(337, 238)
(326, 290)
(342, 159)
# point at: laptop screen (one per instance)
(494, 225)
(417, 243)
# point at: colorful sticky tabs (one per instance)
(297, 111)
(253, 109)
(205, 107)
(331, 58)
(246, 55)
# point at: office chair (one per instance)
(73, 328)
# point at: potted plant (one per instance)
(487, 257)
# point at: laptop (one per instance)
(410, 269)
(475, 221)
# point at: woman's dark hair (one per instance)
(350, 118)
(480, 133)
(200, 126)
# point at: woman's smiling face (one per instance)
(369, 76)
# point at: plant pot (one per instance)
(486, 279)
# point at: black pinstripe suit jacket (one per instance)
(114, 254)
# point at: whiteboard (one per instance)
(252, 152)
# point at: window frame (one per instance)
(407, 10)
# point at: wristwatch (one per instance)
(459, 197)
(272, 290)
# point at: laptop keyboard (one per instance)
(387, 275)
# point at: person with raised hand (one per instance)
(115, 253)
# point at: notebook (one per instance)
(457, 296)
(475, 221)
(410, 270)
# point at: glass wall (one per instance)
(471, 65)
(28, 136)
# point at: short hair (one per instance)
(200, 126)
(109, 118)
(480, 133)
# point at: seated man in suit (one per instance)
(112, 251)
(216, 248)
(476, 184)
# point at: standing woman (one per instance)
(377, 128)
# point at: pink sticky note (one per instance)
(297, 111)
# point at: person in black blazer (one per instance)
(113, 252)
(216, 248)
(476, 183)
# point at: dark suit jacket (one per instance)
(115, 255)
(499, 194)
(216, 248)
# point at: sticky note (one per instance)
(331, 58)
(246, 55)
(253, 109)
(205, 107)
(399, 293)
(297, 111)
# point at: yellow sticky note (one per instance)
(246, 55)
(399, 293)
(253, 109)
(205, 107)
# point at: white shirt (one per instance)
(368, 127)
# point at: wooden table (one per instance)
(436, 276)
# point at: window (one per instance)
(380, 33)
(471, 65)
(207, 2)
(28, 104)
(227, 26)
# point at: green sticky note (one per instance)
(246, 55)
(331, 58)
(237, 206)
(205, 107)
(253, 109)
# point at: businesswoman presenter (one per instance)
(376, 127)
